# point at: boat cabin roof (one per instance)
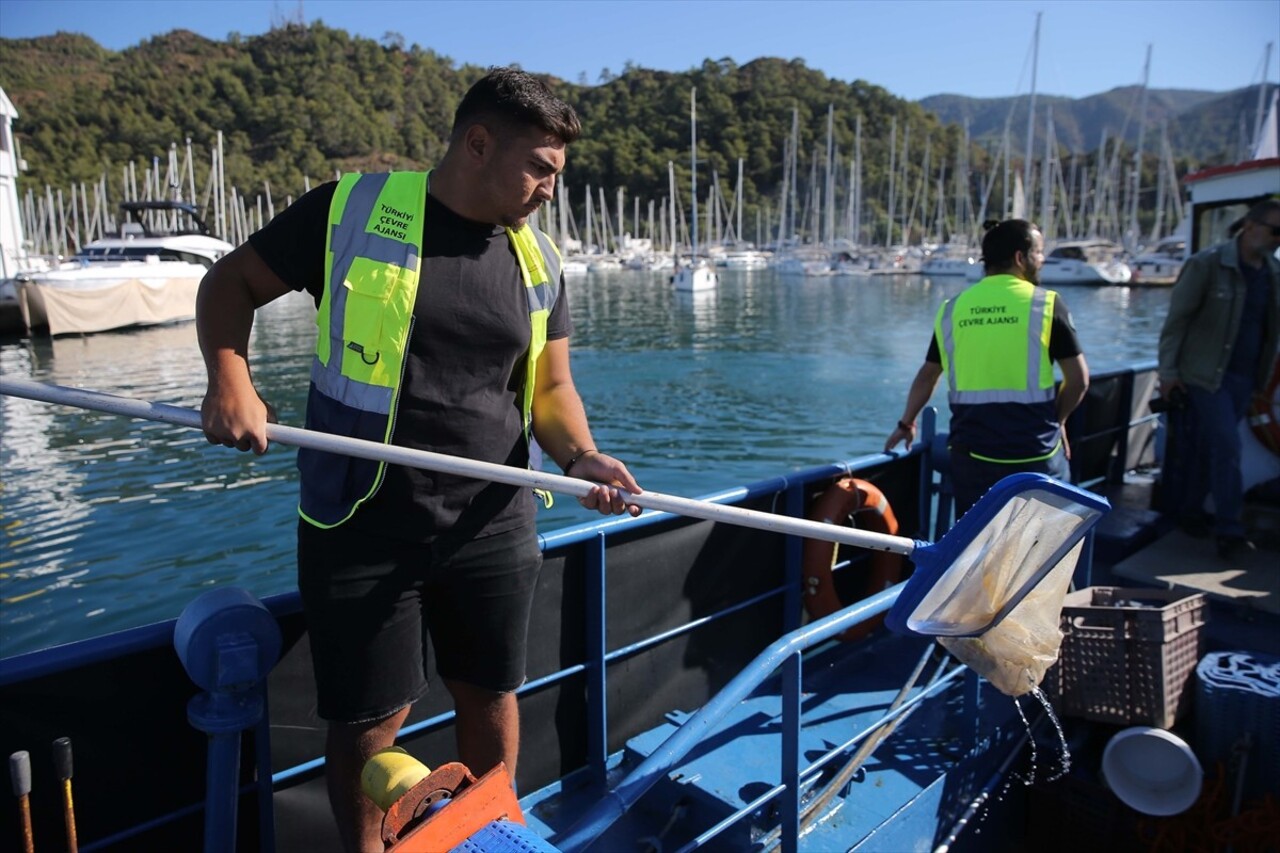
(188, 219)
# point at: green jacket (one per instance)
(1204, 319)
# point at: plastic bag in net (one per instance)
(1015, 653)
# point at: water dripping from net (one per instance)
(982, 805)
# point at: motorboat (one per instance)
(1161, 264)
(946, 266)
(1085, 262)
(850, 262)
(744, 259)
(897, 260)
(573, 265)
(803, 265)
(147, 273)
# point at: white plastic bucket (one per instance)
(1152, 771)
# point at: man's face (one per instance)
(1034, 260)
(1262, 238)
(521, 174)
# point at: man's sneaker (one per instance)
(1234, 547)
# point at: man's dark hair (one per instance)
(1005, 239)
(509, 98)
(1258, 213)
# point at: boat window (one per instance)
(1213, 220)
(1212, 223)
(1071, 253)
(140, 253)
(192, 258)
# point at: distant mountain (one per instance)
(1202, 126)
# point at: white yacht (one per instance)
(745, 259)
(803, 264)
(147, 274)
(1085, 262)
(1162, 264)
(943, 266)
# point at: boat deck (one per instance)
(1179, 561)
(937, 764)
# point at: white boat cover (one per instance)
(132, 302)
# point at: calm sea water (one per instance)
(110, 523)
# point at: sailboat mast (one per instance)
(1031, 109)
(737, 203)
(1046, 177)
(857, 200)
(829, 185)
(693, 168)
(795, 172)
(1132, 235)
(671, 180)
(1258, 118)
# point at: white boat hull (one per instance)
(1156, 271)
(695, 279)
(945, 267)
(101, 297)
(1055, 272)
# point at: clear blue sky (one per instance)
(913, 48)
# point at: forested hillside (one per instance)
(301, 102)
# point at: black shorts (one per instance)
(371, 602)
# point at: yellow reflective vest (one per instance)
(994, 342)
(373, 260)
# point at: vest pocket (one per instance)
(375, 308)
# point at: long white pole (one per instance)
(97, 401)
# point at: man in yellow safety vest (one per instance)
(997, 342)
(443, 326)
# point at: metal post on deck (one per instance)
(792, 684)
(596, 668)
(227, 642)
(793, 555)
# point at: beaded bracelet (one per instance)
(579, 456)
(905, 426)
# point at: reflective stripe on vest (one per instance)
(378, 272)
(365, 322)
(1004, 361)
(539, 261)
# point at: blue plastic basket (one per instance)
(1239, 692)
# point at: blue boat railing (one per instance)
(785, 654)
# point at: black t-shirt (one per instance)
(464, 370)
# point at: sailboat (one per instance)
(698, 275)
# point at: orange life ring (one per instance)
(848, 499)
(1264, 412)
